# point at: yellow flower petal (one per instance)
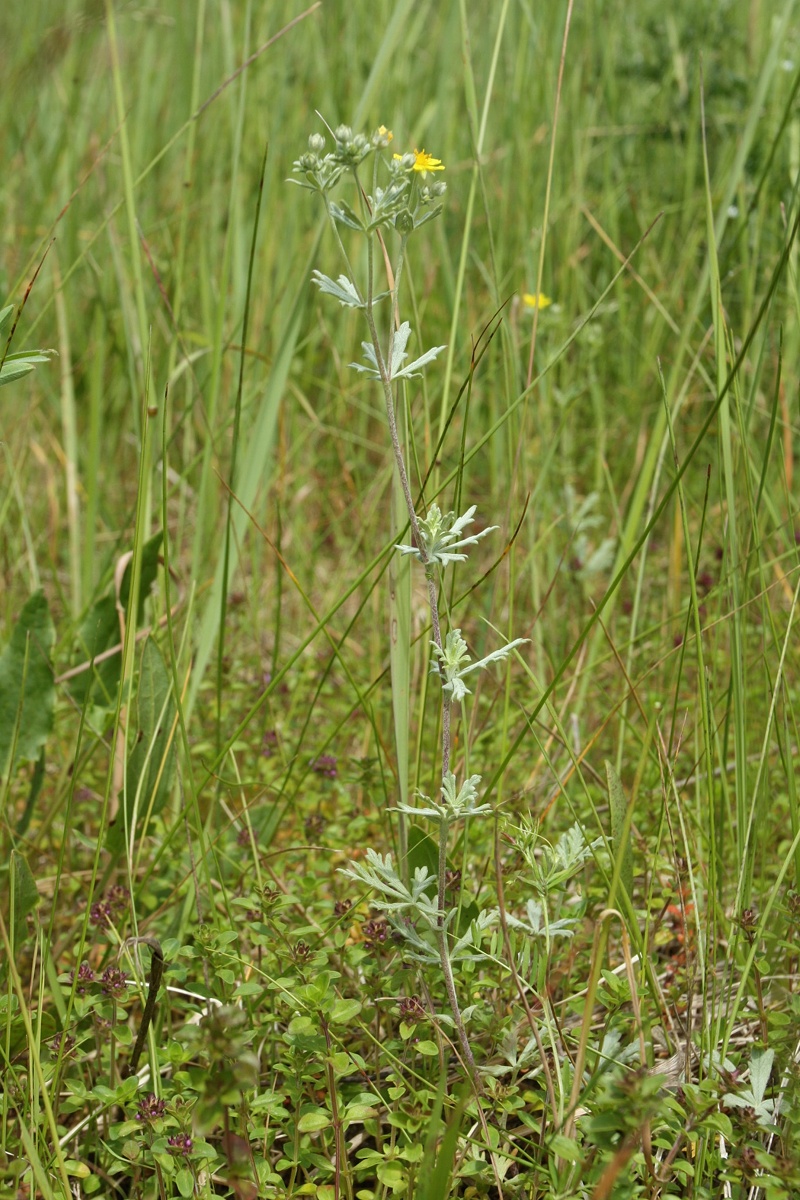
(426, 162)
(537, 301)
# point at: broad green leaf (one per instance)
(33, 795)
(151, 763)
(565, 1147)
(359, 1112)
(25, 895)
(184, 1181)
(312, 1122)
(427, 1048)
(620, 828)
(79, 1169)
(343, 1011)
(27, 691)
(100, 631)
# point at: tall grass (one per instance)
(634, 441)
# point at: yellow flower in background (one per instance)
(424, 162)
(537, 301)
(383, 132)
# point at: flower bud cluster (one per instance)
(322, 171)
(404, 203)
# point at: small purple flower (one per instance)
(113, 982)
(180, 1143)
(151, 1108)
(375, 931)
(63, 1042)
(111, 907)
(411, 1009)
(85, 976)
(325, 765)
(341, 907)
(100, 914)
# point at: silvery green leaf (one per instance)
(395, 369)
(379, 873)
(343, 213)
(536, 926)
(467, 948)
(342, 290)
(387, 202)
(495, 656)
(410, 371)
(456, 689)
(435, 814)
(460, 804)
(427, 216)
(398, 347)
(369, 354)
(460, 523)
(440, 536)
(425, 951)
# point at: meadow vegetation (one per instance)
(290, 904)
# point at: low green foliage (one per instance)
(400, 581)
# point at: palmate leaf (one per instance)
(27, 690)
(396, 368)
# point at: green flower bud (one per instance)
(316, 143)
(404, 222)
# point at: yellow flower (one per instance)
(383, 132)
(424, 162)
(537, 301)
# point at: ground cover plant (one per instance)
(398, 670)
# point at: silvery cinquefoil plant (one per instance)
(399, 199)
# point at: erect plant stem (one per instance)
(433, 602)
(449, 983)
